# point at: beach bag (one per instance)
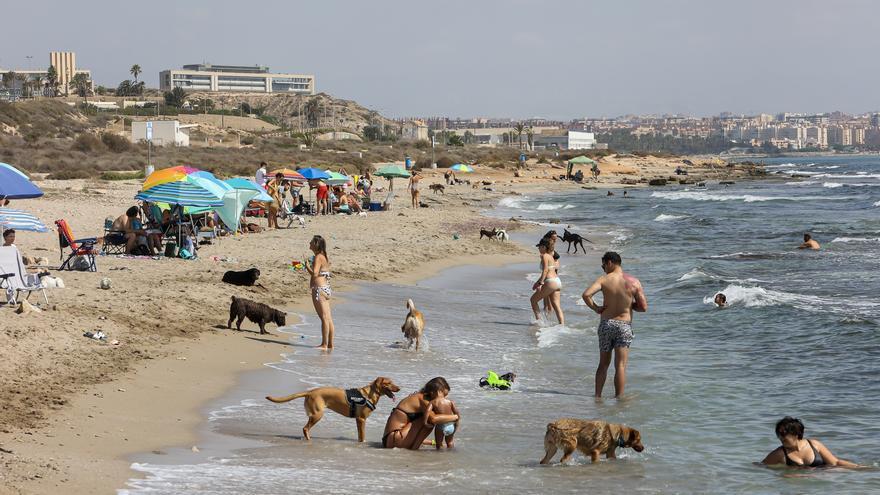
(185, 254)
(171, 250)
(141, 250)
(80, 264)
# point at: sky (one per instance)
(489, 58)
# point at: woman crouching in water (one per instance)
(411, 421)
(319, 286)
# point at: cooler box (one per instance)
(375, 206)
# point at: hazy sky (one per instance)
(513, 58)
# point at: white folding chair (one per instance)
(20, 281)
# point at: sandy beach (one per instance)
(74, 408)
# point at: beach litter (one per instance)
(97, 335)
(106, 283)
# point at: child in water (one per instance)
(446, 431)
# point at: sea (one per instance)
(800, 338)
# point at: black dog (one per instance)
(258, 313)
(575, 239)
(491, 234)
(246, 277)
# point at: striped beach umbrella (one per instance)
(460, 167)
(291, 175)
(20, 220)
(185, 186)
(15, 185)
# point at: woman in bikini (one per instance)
(548, 284)
(319, 269)
(414, 188)
(411, 421)
(797, 451)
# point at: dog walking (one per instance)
(621, 295)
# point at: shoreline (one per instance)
(85, 443)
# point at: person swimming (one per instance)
(796, 451)
(720, 300)
(809, 243)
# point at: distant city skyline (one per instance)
(517, 59)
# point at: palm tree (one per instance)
(52, 81)
(519, 128)
(82, 85)
(530, 134)
(135, 71)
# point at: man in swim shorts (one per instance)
(621, 295)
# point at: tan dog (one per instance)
(357, 403)
(414, 325)
(591, 437)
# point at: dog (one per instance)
(501, 235)
(591, 437)
(357, 403)
(414, 325)
(258, 313)
(437, 188)
(50, 282)
(575, 239)
(491, 234)
(245, 277)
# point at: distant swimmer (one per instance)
(621, 295)
(809, 243)
(720, 300)
(610, 193)
(625, 194)
(797, 451)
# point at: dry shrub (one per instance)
(115, 142)
(71, 173)
(88, 143)
(445, 162)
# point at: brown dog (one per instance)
(357, 403)
(258, 313)
(414, 325)
(591, 437)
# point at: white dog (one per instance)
(501, 235)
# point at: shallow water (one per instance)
(705, 386)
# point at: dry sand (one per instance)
(74, 408)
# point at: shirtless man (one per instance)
(123, 230)
(809, 243)
(621, 295)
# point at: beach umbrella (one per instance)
(247, 184)
(313, 173)
(185, 186)
(19, 220)
(14, 184)
(291, 175)
(392, 171)
(336, 179)
(460, 167)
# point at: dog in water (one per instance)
(245, 277)
(357, 403)
(438, 188)
(576, 239)
(414, 325)
(258, 313)
(591, 437)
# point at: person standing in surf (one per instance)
(548, 284)
(621, 295)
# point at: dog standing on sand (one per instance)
(591, 437)
(258, 313)
(414, 325)
(438, 188)
(357, 403)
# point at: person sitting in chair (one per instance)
(123, 231)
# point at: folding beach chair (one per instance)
(16, 278)
(114, 240)
(78, 247)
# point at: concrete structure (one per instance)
(165, 132)
(65, 67)
(235, 78)
(414, 130)
(565, 140)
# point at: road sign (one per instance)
(149, 131)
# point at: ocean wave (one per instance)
(857, 175)
(666, 218)
(877, 203)
(855, 239)
(619, 236)
(746, 198)
(746, 255)
(553, 206)
(802, 183)
(832, 185)
(758, 297)
(782, 165)
(550, 336)
(800, 172)
(510, 202)
(695, 273)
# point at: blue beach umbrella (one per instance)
(15, 185)
(313, 173)
(19, 220)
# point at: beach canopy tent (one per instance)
(392, 171)
(578, 160)
(460, 167)
(19, 220)
(244, 184)
(184, 186)
(313, 173)
(14, 184)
